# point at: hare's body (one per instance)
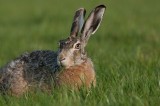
(41, 69)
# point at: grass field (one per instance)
(125, 50)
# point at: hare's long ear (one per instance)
(92, 23)
(78, 21)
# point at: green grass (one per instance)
(125, 50)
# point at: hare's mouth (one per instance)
(65, 63)
(62, 59)
(62, 62)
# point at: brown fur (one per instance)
(77, 76)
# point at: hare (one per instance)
(69, 65)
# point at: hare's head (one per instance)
(72, 50)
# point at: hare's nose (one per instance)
(61, 58)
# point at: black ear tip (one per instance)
(82, 10)
(101, 6)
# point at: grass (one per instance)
(125, 50)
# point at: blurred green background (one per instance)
(125, 49)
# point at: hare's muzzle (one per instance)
(61, 58)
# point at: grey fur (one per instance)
(35, 67)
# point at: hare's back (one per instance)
(39, 59)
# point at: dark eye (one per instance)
(77, 46)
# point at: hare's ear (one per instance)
(78, 21)
(92, 23)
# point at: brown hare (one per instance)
(68, 66)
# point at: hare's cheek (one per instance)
(76, 53)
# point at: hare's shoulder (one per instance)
(39, 59)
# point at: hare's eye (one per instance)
(77, 46)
